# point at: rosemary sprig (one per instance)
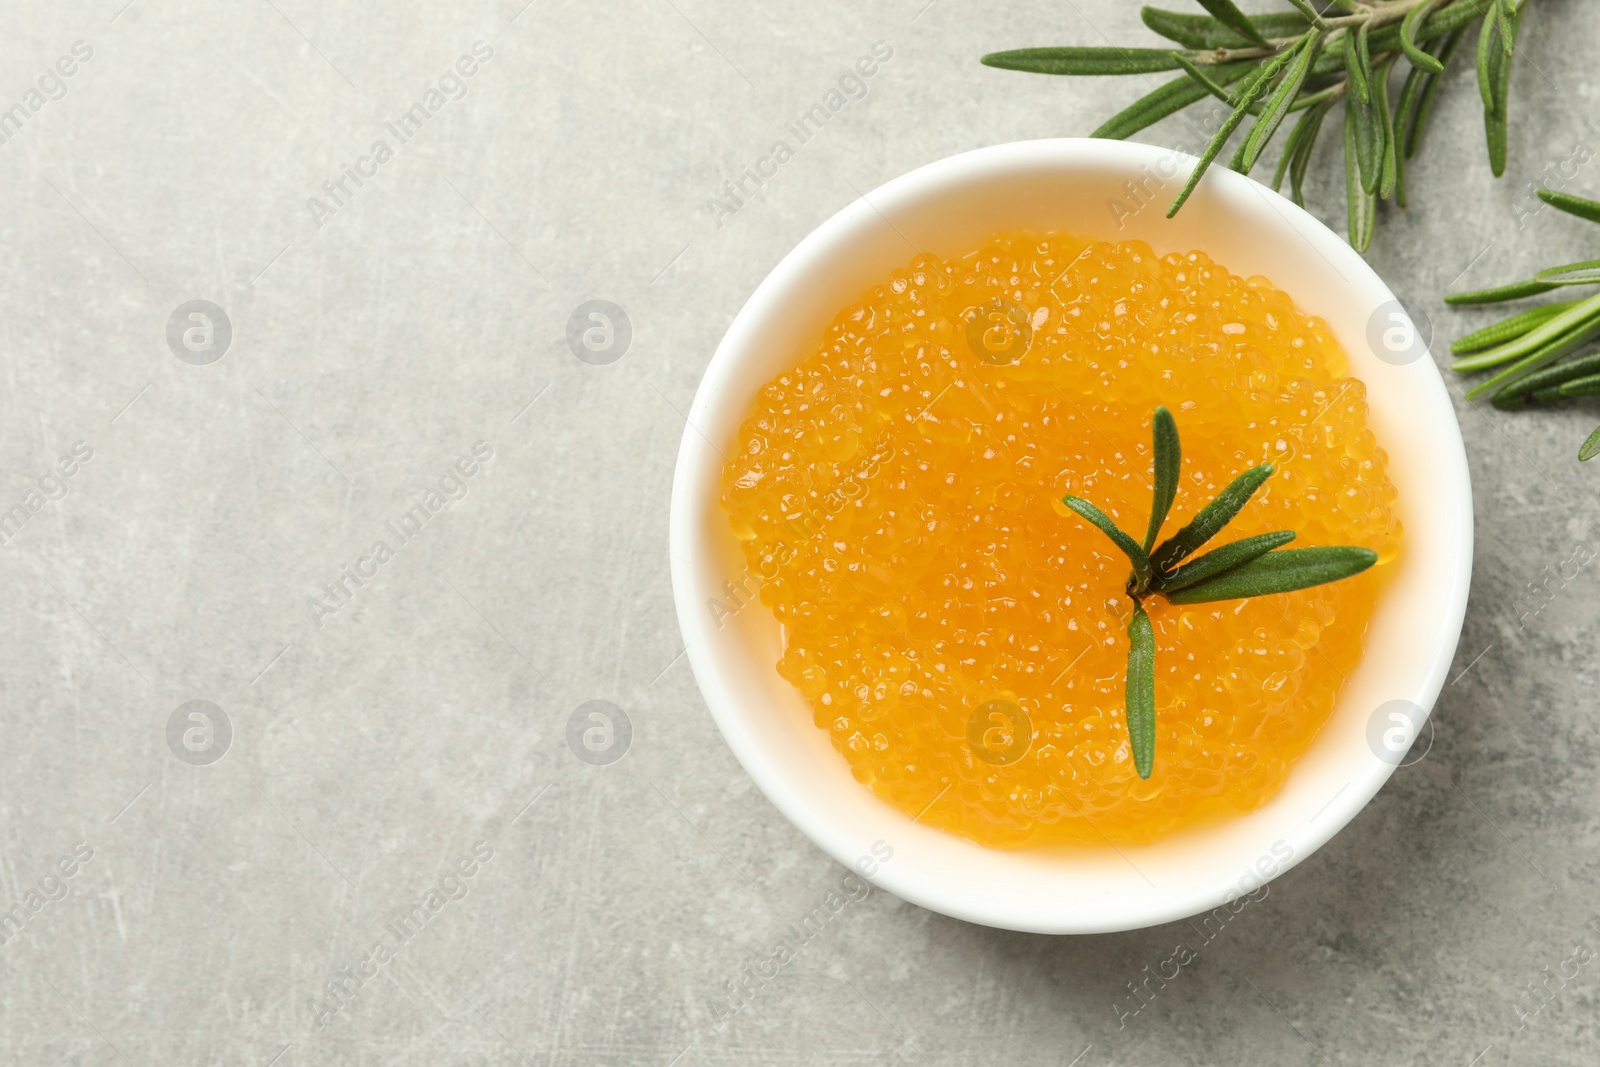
(1252, 566)
(1308, 61)
(1530, 347)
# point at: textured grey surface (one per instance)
(375, 747)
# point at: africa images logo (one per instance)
(340, 991)
(451, 488)
(451, 86)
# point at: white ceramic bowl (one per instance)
(949, 207)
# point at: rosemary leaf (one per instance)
(1363, 38)
(1509, 329)
(1302, 161)
(1329, 60)
(1328, 95)
(1230, 16)
(1500, 293)
(1203, 33)
(1572, 205)
(1422, 61)
(1508, 26)
(1584, 273)
(1381, 42)
(1223, 559)
(1361, 207)
(1210, 520)
(1355, 70)
(1485, 48)
(1550, 379)
(1168, 459)
(1277, 105)
(1494, 128)
(1171, 98)
(1252, 92)
(1140, 691)
(1362, 111)
(1389, 178)
(1456, 16)
(1587, 386)
(1077, 60)
(1405, 110)
(1203, 80)
(1283, 571)
(1309, 12)
(1590, 447)
(1495, 125)
(1291, 147)
(1130, 548)
(1418, 120)
(1494, 78)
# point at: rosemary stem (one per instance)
(1386, 14)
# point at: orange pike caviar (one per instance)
(957, 631)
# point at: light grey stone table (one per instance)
(390, 364)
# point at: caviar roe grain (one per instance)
(900, 490)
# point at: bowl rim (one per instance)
(688, 560)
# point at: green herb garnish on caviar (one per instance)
(1252, 566)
